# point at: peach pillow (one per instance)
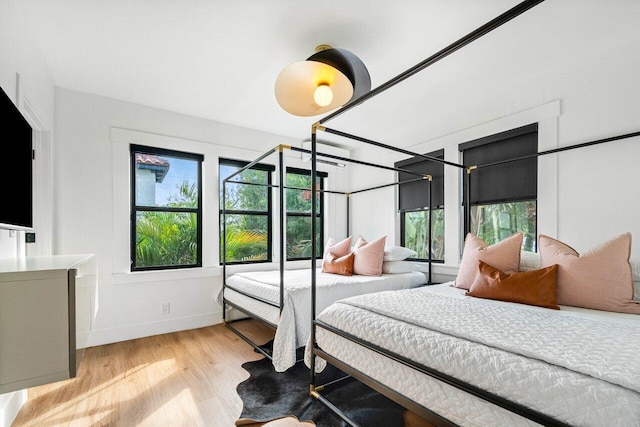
(533, 287)
(342, 265)
(369, 257)
(503, 255)
(600, 278)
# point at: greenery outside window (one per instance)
(503, 196)
(248, 207)
(413, 205)
(298, 211)
(166, 209)
(495, 222)
(414, 229)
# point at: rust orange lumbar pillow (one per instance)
(533, 287)
(600, 278)
(335, 257)
(504, 255)
(338, 265)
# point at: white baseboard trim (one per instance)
(125, 333)
(10, 405)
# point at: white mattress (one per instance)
(580, 366)
(294, 323)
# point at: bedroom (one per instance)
(587, 91)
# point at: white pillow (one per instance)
(635, 269)
(395, 267)
(529, 261)
(398, 253)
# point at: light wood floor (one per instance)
(185, 378)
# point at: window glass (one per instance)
(413, 204)
(247, 208)
(416, 233)
(166, 230)
(496, 222)
(299, 237)
(298, 207)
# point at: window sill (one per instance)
(165, 275)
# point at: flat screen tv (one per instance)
(16, 173)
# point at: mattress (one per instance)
(577, 365)
(294, 322)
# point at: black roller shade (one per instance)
(510, 181)
(415, 195)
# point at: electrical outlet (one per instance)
(166, 308)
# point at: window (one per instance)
(299, 214)
(503, 196)
(248, 233)
(166, 209)
(413, 204)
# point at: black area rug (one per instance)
(267, 395)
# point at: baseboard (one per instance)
(10, 405)
(125, 333)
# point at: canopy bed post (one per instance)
(348, 213)
(467, 199)
(430, 256)
(223, 255)
(282, 225)
(312, 336)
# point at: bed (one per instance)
(258, 293)
(528, 355)
(455, 359)
(282, 297)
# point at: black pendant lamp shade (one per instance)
(328, 79)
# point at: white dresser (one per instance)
(38, 319)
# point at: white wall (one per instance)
(25, 78)
(92, 209)
(585, 196)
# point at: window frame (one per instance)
(523, 156)
(268, 213)
(320, 175)
(134, 209)
(403, 164)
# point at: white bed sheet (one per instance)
(575, 392)
(294, 323)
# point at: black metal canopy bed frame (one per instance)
(532, 415)
(280, 187)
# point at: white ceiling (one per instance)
(219, 59)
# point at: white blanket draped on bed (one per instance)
(295, 320)
(586, 367)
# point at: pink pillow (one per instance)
(338, 249)
(600, 278)
(368, 257)
(503, 255)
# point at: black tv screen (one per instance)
(16, 173)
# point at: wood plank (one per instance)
(185, 378)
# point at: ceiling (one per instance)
(219, 59)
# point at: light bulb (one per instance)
(323, 95)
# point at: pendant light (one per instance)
(328, 79)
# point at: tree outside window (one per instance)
(298, 206)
